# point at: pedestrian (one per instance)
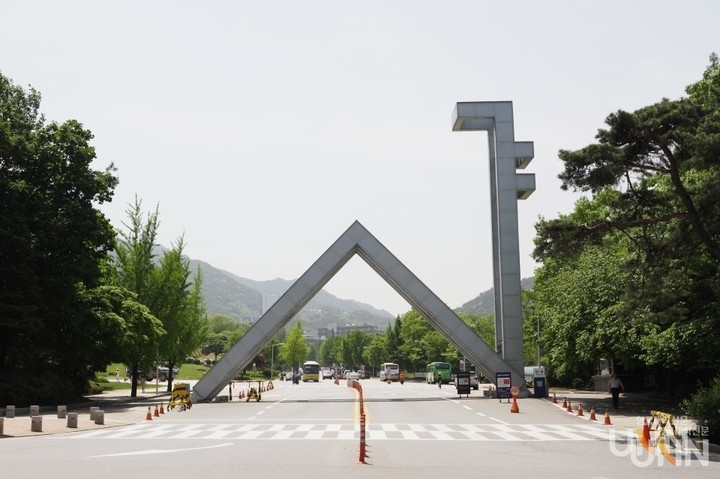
(117, 374)
(142, 382)
(439, 380)
(615, 386)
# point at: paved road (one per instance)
(312, 430)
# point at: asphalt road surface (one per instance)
(312, 430)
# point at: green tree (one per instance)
(330, 351)
(135, 263)
(654, 179)
(295, 349)
(376, 351)
(179, 305)
(52, 244)
(354, 345)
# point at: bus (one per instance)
(433, 369)
(389, 372)
(311, 371)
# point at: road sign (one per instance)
(515, 391)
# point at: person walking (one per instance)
(615, 387)
(439, 380)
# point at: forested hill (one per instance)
(484, 303)
(241, 299)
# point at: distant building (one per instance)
(367, 328)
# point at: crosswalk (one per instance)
(380, 432)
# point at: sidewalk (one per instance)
(119, 410)
(634, 408)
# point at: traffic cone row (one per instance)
(568, 407)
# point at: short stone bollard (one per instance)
(36, 423)
(9, 412)
(72, 419)
(62, 412)
(2, 425)
(93, 409)
(100, 417)
(34, 411)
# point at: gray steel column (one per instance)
(506, 187)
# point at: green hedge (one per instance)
(704, 407)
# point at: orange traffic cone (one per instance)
(157, 411)
(554, 399)
(514, 407)
(580, 411)
(592, 414)
(162, 410)
(564, 403)
(148, 417)
(607, 419)
(569, 407)
(645, 432)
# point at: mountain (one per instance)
(484, 303)
(241, 299)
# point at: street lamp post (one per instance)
(272, 360)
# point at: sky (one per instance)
(262, 130)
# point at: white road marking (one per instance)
(160, 451)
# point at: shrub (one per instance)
(704, 407)
(578, 383)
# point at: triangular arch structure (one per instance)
(355, 240)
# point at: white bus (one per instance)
(389, 372)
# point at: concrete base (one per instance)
(72, 418)
(36, 423)
(100, 417)
(61, 412)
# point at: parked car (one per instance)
(353, 375)
(159, 372)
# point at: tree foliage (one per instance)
(164, 286)
(53, 242)
(632, 272)
(295, 349)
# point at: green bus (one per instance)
(433, 369)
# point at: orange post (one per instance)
(645, 432)
(362, 439)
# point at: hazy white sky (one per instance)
(263, 129)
